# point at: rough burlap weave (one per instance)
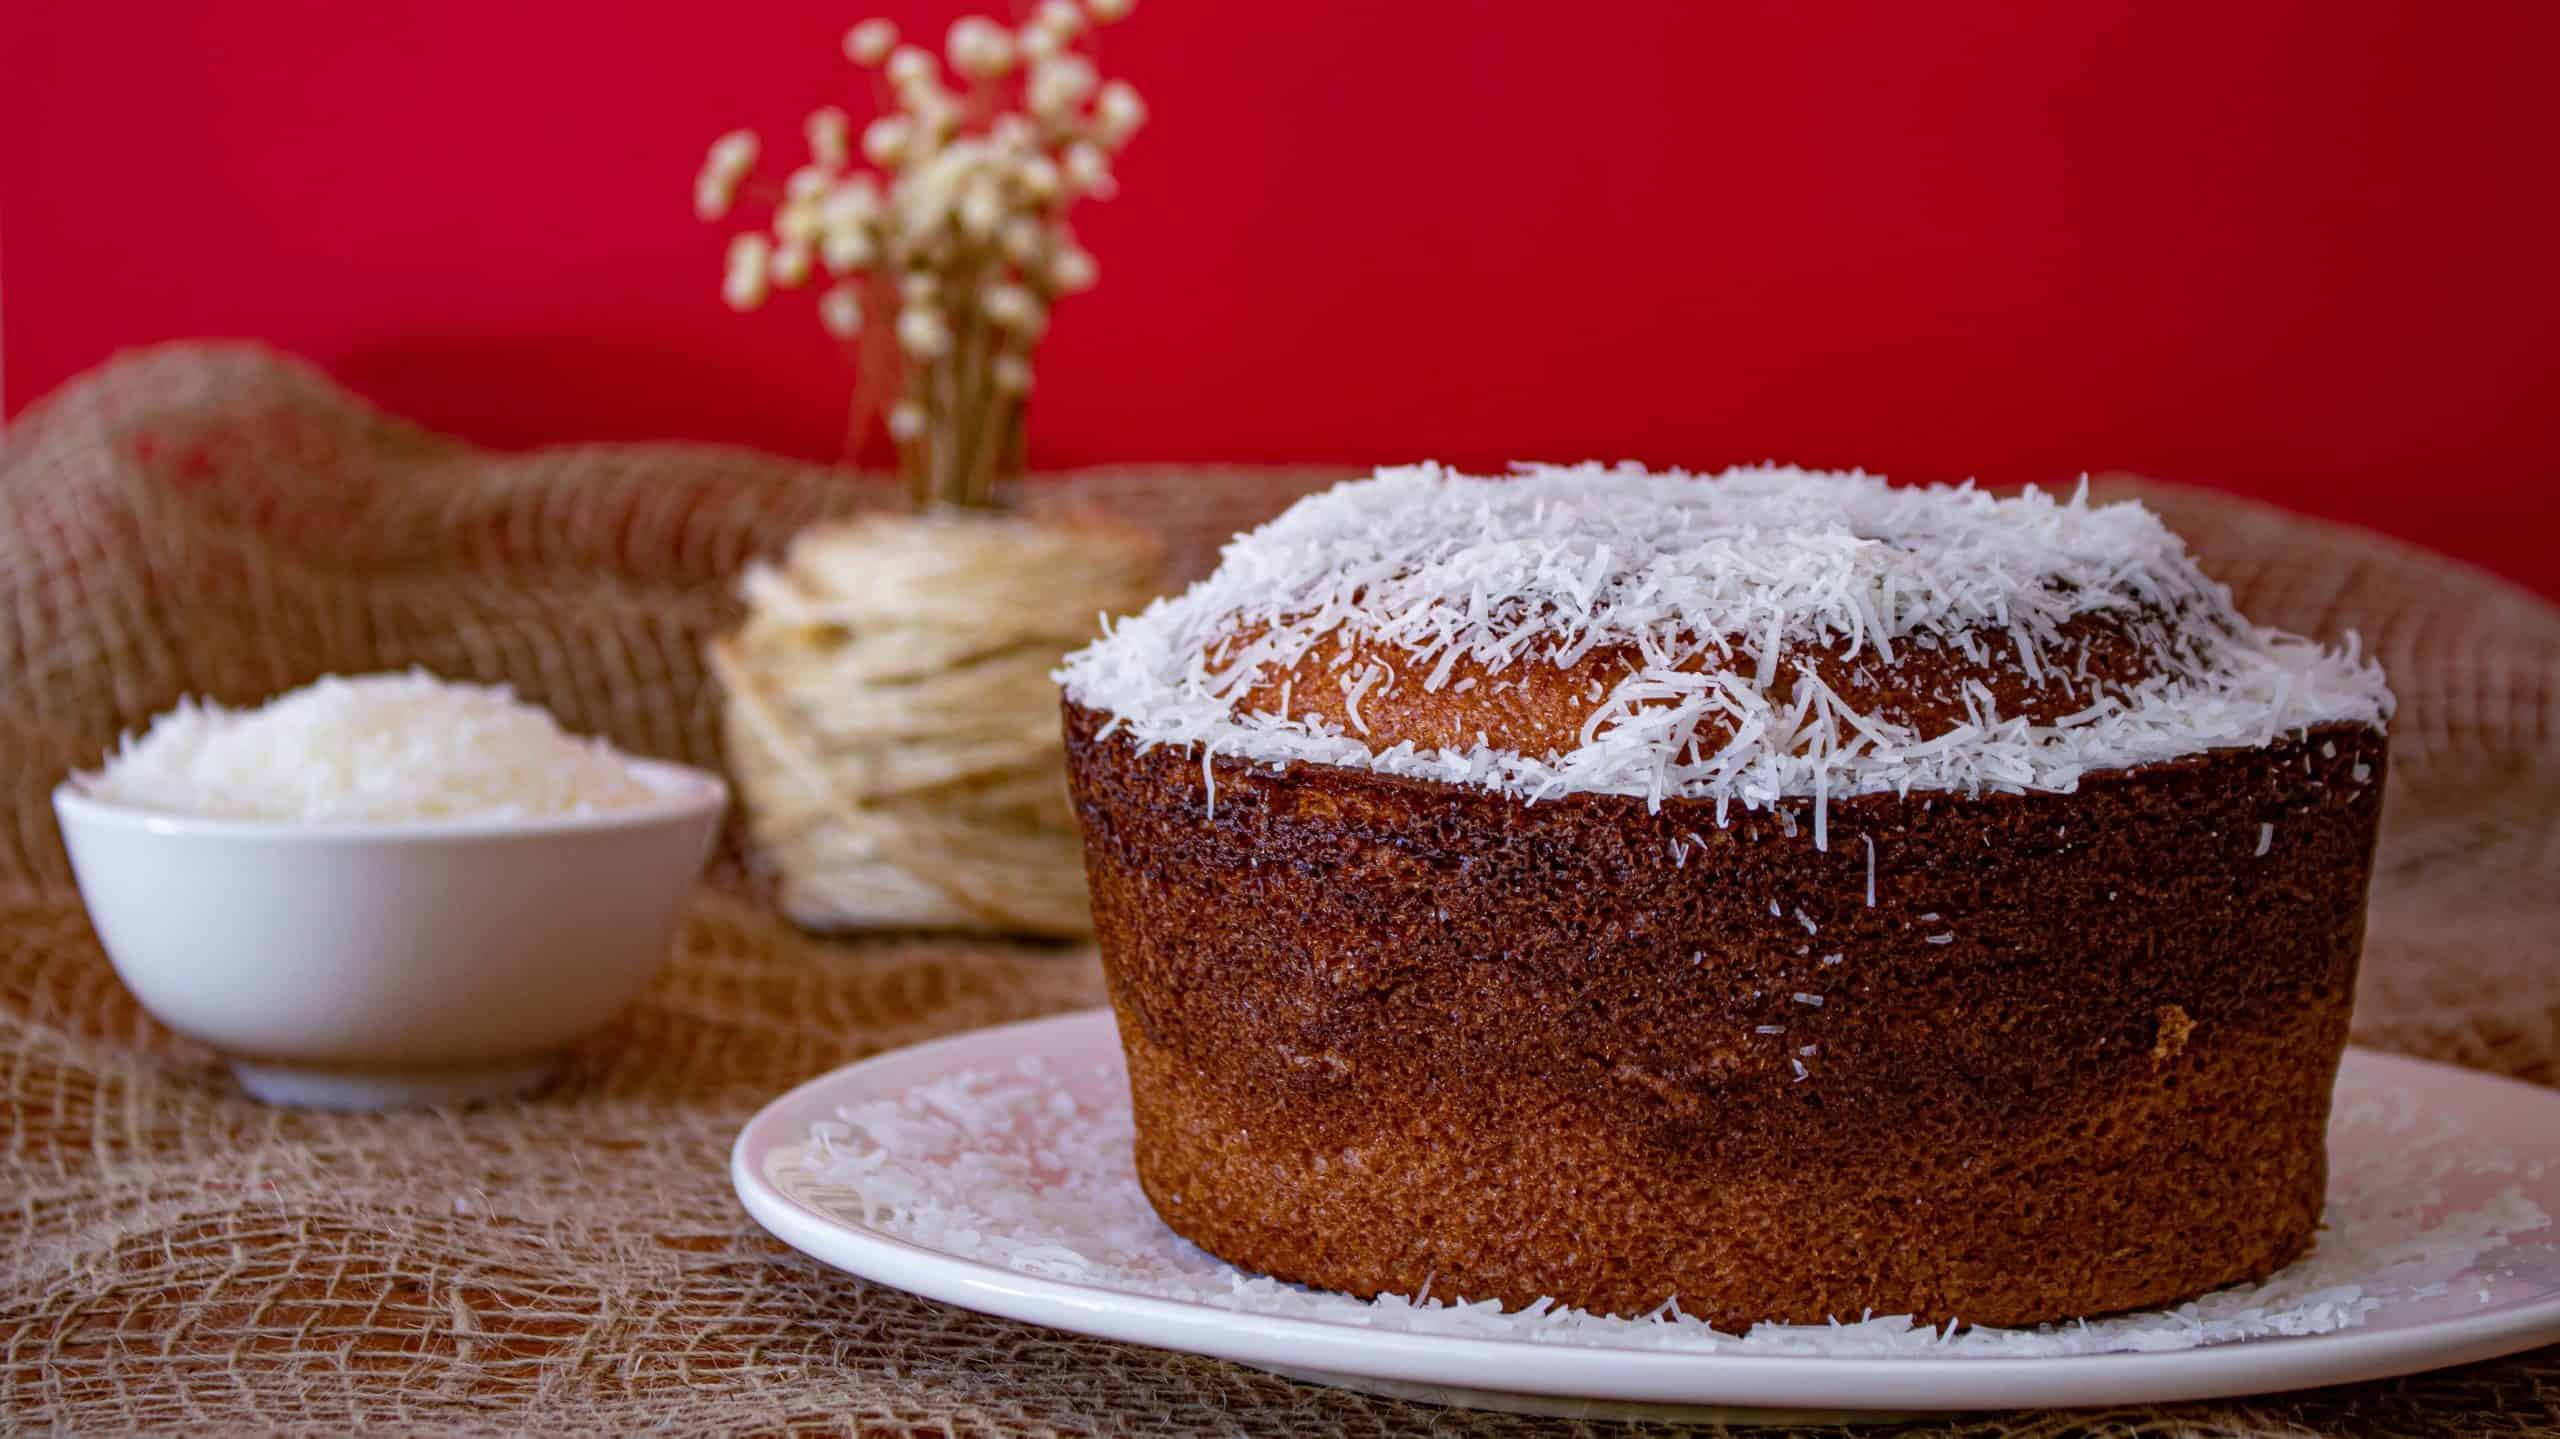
(219, 521)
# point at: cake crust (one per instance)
(1387, 1033)
(1545, 708)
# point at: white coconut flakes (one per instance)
(1752, 568)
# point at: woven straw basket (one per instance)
(892, 725)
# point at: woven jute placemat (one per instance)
(224, 522)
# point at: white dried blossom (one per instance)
(1060, 15)
(1117, 113)
(925, 200)
(743, 290)
(1012, 375)
(806, 184)
(1104, 12)
(979, 47)
(797, 222)
(906, 420)
(844, 249)
(840, 310)
(711, 199)
(923, 333)
(981, 208)
(1089, 170)
(1020, 239)
(918, 287)
(909, 65)
(1072, 270)
(1012, 134)
(728, 160)
(936, 114)
(732, 155)
(922, 93)
(858, 194)
(1039, 42)
(830, 133)
(1058, 85)
(744, 286)
(939, 174)
(885, 140)
(845, 237)
(1011, 307)
(791, 265)
(870, 42)
(1039, 179)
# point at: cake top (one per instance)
(1761, 634)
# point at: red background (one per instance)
(2301, 250)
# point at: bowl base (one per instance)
(315, 1086)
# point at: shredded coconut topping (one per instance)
(370, 749)
(1721, 588)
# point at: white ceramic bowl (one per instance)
(370, 966)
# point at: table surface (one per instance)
(221, 521)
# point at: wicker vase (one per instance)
(891, 722)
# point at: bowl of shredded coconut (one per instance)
(384, 890)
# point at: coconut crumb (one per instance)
(2175, 1026)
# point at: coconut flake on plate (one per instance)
(1033, 1170)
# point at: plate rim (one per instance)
(1520, 1366)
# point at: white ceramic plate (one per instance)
(2510, 1302)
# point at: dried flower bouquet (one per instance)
(888, 709)
(939, 266)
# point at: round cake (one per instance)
(1775, 892)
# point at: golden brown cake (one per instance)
(1778, 892)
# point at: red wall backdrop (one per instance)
(2301, 249)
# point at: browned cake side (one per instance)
(2077, 1056)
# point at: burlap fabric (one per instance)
(172, 1255)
